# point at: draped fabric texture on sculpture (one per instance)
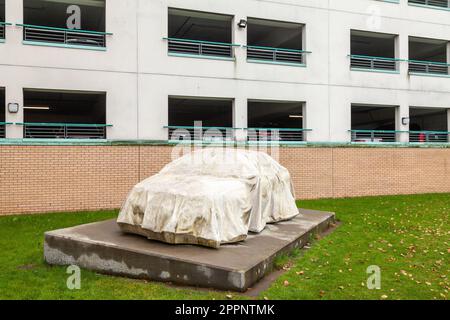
(210, 197)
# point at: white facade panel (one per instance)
(138, 75)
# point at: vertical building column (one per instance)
(402, 112)
(239, 37)
(448, 124)
(13, 90)
(14, 94)
(448, 54)
(402, 52)
(305, 46)
(240, 117)
(448, 72)
(14, 14)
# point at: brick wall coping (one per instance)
(50, 142)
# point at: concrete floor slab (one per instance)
(102, 247)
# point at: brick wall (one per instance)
(36, 179)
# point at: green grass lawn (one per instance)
(408, 237)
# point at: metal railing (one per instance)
(374, 63)
(203, 134)
(432, 3)
(276, 134)
(228, 134)
(33, 33)
(428, 67)
(3, 129)
(200, 48)
(64, 131)
(374, 136)
(279, 55)
(2, 30)
(429, 136)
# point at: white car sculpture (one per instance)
(210, 197)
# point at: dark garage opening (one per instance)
(428, 125)
(428, 55)
(213, 114)
(274, 41)
(287, 117)
(64, 114)
(54, 13)
(2, 10)
(373, 123)
(2, 19)
(432, 3)
(39, 15)
(371, 50)
(200, 33)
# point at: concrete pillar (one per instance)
(448, 53)
(14, 14)
(402, 52)
(402, 112)
(304, 44)
(448, 71)
(14, 90)
(239, 37)
(305, 122)
(448, 123)
(240, 118)
(14, 94)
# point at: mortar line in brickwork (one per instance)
(139, 163)
(333, 193)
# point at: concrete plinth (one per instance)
(102, 247)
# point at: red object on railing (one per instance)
(422, 137)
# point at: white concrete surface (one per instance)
(138, 75)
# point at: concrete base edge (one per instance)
(111, 252)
